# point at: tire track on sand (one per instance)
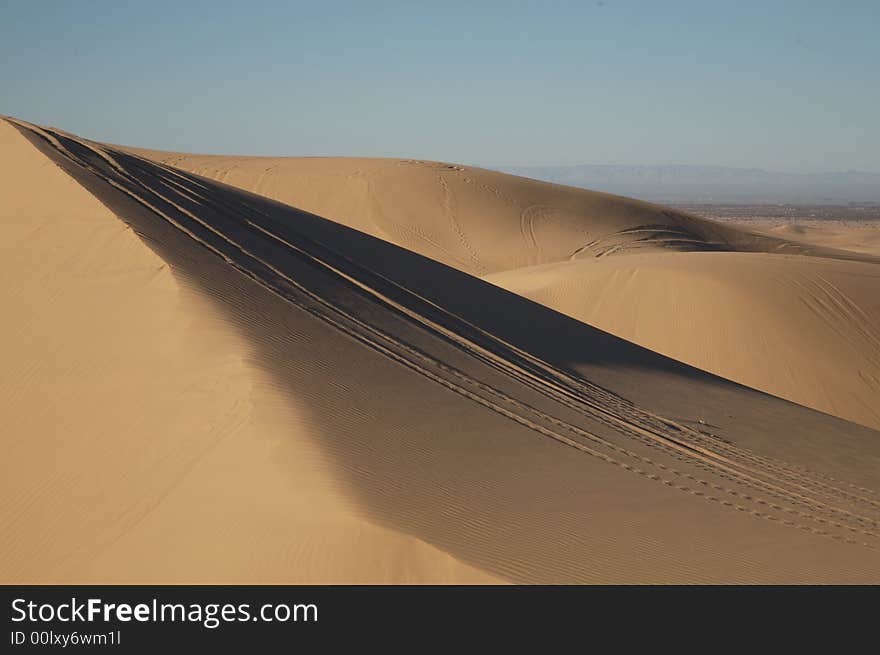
(252, 235)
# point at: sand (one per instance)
(142, 442)
(803, 329)
(799, 328)
(856, 235)
(476, 220)
(206, 385)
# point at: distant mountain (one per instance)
(712, 184)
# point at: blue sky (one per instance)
(770, 84)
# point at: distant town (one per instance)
(780, 213)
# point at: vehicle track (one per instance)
(261, 239)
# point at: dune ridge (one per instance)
(805, 328)
(517, 442)
(473, 219)
(142, 444)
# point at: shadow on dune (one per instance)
(474, 484)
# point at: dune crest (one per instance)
(476, 220)
(806, 329)
(138, 427)
(411, 417)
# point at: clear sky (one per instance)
(770, 84)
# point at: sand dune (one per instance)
(857, 236)
(472, 219)
(803, 329)
(807, 330)
(235, 389)
(142, 442)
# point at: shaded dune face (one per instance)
(805, 328)
(524, 443)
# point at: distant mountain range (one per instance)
(713, 184)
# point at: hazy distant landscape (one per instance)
(783, 212)
(713, 184)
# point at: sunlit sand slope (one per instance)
(854, 235)
(802, 328)
(142, 441)
(467, 425)
(476, 220)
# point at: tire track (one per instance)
(626, 431)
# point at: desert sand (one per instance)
(227, 369)
(803, 329)
(858, 236)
